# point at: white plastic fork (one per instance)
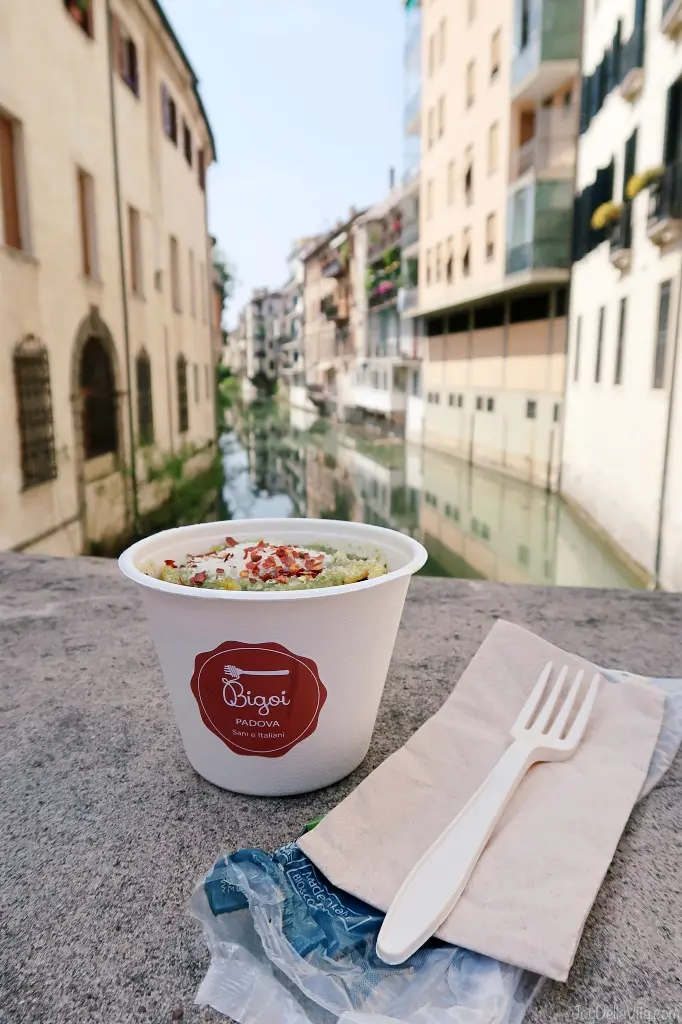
(433, 887)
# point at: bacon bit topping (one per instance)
(169, 562)
(220, 572)
(231, 542)
(256, 556)
(199, 577)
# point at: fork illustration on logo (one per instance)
(235, 696)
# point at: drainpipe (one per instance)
(668, 442)
(124, 296)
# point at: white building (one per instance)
(622, 454)
(263, 328)
(292, 362)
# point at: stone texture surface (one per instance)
(105, 828)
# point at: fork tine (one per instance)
(531, 705)
(543, 718)
(577, 730)
(566, 708)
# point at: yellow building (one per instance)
(105, 267)
(499, 114)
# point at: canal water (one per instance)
(475, 524)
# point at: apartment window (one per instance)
(10, 225)
(493, 147)
(196, 383)
(466, 252)
(183, 410)
(88, 227)
(490, 405)
(450, 260)
(557, 412)
(431, 126)
(620, 344)
(460, 401)
(169, 114)
(34, 413)
(97, 390)
(451, 400)
(524, 36)
(600, 345)
(441, 41)
(490, 236)
(471, 10)
(450, 183)
(662, 335)
(469, 177)
(125, 55)
(531, 409)
(479, 403)
(187, 142)
(441, 117)
(429, 200)
(495, 55)
(81, 12)
(175, 274)
(578, 337)
(145, 416)
(432, 54)
(135, 240)
(471, 83)
(201, 169)
(192, 286)
(428, 266)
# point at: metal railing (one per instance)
(410, 233)
(539, 255)
(665, 197)
(544, 153)
(621, 231)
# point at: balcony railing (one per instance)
(408, 298)
(382, 293)
(410, 233)
(665, 206)
(388, 237)
(544, 153)
(545, 254)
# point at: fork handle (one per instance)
(435, 884)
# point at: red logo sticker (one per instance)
(259, 699)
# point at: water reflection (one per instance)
(474, 524)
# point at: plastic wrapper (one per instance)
(287, 947)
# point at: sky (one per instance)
(305, 98)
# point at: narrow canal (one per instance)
(475, 524)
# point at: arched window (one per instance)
(34, 412)
(183, 413)
(98, 397)
(145, 415)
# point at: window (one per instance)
(451, 400)
(432, 54)
(441, 41)
(441, 117)
(600, 345)
(169, 114)
(471, 83)
(460, 401)
(466, 252)
(88, 230)
(479, 403)
(450, 260)
(490, 236)
(429, 200)
(187, 142)
(531, 409)
(125, 55)
(81, 12)
(10, 212)
(175, 274)
(493, 147)
(557, 412)
(431, 126)
(495, 55)
(207, 376)
(469, 177)
(489, 316)
(98, 400)
(620, 344)
(524, 37)
(201, 169)
(662, 335)
(192, 286)
(183, 411)
(450, 186)
(576, 363)
(438, 261)
(145, 417)
(196, 382)
(34, 413)
(135, 240)
(490, 405)
(202, 292)
(428, 266)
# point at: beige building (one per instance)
(499, 113)
(105, 333)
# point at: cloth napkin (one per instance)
(531, 892)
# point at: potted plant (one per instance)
(638, 182)
(607, 213)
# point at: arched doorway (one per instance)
(97, 388)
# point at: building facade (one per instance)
(622, 455)
(292, 364)
(263, 335)
(499, 112)
(105, 333)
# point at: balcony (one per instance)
(671, 22)
(664, 226)
(408, 298)
(335, 307)
(552, 150)
(410, 233)
(546, 48)
(621, 240)
(384, 236)
(632, 65)
(412, 116)
(540, 218)
(547, 254)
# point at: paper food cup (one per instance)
(275, 693)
